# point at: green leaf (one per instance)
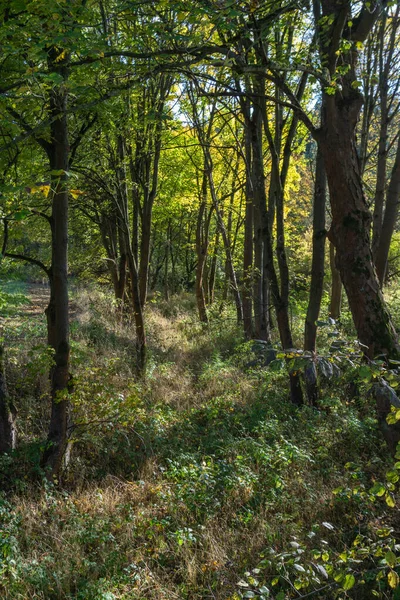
(392, 476)
(21, 215)
(276, 365)
(298, 584)
(365, 374)
(390, 500)
(378, 490)
(384, 532)
(391, 558)
(349, 582)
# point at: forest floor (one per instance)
(202, 481)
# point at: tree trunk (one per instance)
(381, 174)
(166, 265)
(261, 317)
(350, 229)
(336, 286)
(213, 269)
(141, 342)
(201, 251)
(8, 414)
(248, 239)
(57, 437)
(390, 218)
(225, 238)
(317, 278)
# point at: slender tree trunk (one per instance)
(221, 224)
(336, 286)
(380, 175)
(145, 241)
(261, 293)
(317, 278)
(8, 414)
(213, 269)
(201, 251)
(166, 266)
(390, 218)
(141, 342)
(248, 238)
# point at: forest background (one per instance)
(192, 196)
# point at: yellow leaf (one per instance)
(76, 193)
(393, 579)
(45, 189)
(61, 56)
(390, 500)
(40, 188)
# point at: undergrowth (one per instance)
(202, 481)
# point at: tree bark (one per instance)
(317, 278)
(261, 287)
(59, 154)
(141, 342)
(201, 251)
(248, 236)
(8, 414)
(335, 304)
(213, 269)
(390, 218)
(350, 229)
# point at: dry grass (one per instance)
(189, 475)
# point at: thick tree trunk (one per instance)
(350, 229)
(390, 218)
(8, 414)
(57, 438)
(317, 277)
